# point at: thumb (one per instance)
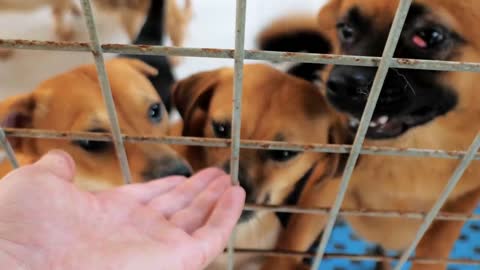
(58, 163)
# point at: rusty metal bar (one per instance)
(452, 183)
(106, 91)
(393, 37)
(8, 149)
(348, 60)
(359, 213)
(247, 144)
(239, 55)
(274, 253)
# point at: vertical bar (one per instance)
(239, 56)
(457, 175)
(106, 91)
(393, 37)
(8, 149)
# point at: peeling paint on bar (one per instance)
(247, 144)
(249, 54)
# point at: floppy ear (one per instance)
(327, 19)
(139, 65)
(191, 97)
(17, 112)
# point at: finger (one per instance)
(184, 193)
(195, 215)
(144, 193)
(58, 163)
(213, 237)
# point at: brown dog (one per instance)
(73, 102)
(276, 107)
(417, 109)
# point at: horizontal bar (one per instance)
(106, 91)
(348, 60)
(247, 144)
(452, 183)
(360, 213)
(274, 253)
(380, 76)
(5, 144)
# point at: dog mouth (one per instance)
(389, 126)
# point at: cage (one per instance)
(338, 247)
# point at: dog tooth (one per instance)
(383, 120)
(373, 124)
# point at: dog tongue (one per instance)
(420, 42)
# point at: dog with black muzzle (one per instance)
(276, 107)
(416, 109)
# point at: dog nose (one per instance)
(242, 179)
(166, 167)
(349, 82)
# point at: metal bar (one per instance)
(247, 144)
(239, 55)
(457, 175)
(393, 37)
(8, 149)
(106, 91)
(359, 213)
(249, 54)
(292, 254)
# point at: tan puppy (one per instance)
(417, 109)
(73, 102)
(276, 107)
(60, 9)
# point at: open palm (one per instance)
(173, 223)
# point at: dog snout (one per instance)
(167, 167)
(352, 82)
(244, 181)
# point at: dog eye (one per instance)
(281, 155)
(346, 32)
(93, 146)
(428, 38)
(155, 113)
(221, 129)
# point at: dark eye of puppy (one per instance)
(221, 129)
(155, 113)
(346, 32)
(429, 38)
(94, 146)
(281, 155)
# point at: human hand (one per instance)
(173, 223)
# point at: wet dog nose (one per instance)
(166, 167)
(349, 82)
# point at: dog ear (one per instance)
(192, 95)
(17, 112)
(338, 134)
(139, 65)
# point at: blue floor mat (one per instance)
(344, 241)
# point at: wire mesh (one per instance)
(239, 54)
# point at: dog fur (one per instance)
(404, 184)
(276, 107)
(72, 102)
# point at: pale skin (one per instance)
(172, 223)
